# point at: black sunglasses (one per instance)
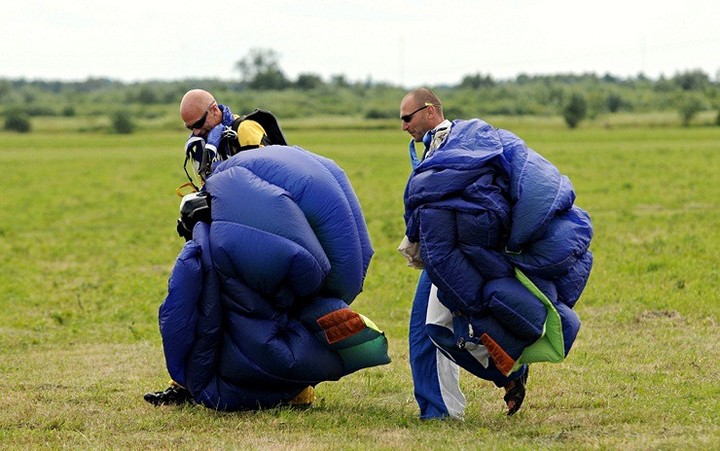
(200, 122)
(408, 117)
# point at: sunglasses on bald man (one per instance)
(200, 122)
(408, 117)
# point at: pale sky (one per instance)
(408, 43)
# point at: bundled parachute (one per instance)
(504, 243)
(258, 301)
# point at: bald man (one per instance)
(217, 133)
(201, 113)
(435, 376)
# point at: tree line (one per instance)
(263, 84)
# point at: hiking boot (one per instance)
(172, 396)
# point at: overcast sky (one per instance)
(410, 42)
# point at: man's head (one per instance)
(420, 111)
(200, 112)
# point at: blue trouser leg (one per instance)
(436, 378)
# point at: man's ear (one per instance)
(432, 112)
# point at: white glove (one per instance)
(411, 252)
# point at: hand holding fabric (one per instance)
(411, 252)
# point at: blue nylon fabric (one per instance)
(287, 245)
(482, 204)
(185, 280)
(307, 181)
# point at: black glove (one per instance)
(194, 207)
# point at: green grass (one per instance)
(87, 239)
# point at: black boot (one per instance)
(516, 394)
(173, 395)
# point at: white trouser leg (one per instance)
(448, 372)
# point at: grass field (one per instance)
(87, 240)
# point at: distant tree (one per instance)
(273, 79)
(477, 81)
(306, 82)
(522, 79)
(641, 77)
(575, 110)
(694, 80)
(146, 95)
(17, 120)
(689, 106)
(614, 102)
(555, 94)
(453, 111)
(122, 122)
(260, 69)
(609, 78)
(380, 113)
(339, 81)
(94, 84)
(5, 89)
(39, 108)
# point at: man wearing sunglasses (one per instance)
(217, 133)
(436, 377)
(483, 215)
(422, 117)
